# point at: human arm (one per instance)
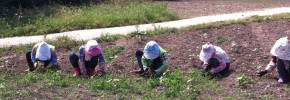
(270, 67)
(53, 59)
(144, 62)
(82, 61)
(163, 67)
(218, 69)
(102, 63)
(33, 54)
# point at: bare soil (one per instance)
(195, 8)
(248, 46)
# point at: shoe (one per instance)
(85, 75)
(76, 71)
(92, 71)
(29, 70)
(101, 72)
(138, 71)
(280, 80)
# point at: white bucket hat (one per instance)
(281, 49)
(151, 50)
(206, 52)
(43, 52)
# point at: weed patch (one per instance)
(172, 85)
(112, 52)
(219, 40)
(243, 80)
(64, 43)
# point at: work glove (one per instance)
(101, 72)
(49, 66)
(262, 73)
(152, 71)
(148, 72)
(206, 69)
(36, 64)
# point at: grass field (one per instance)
(58, 18)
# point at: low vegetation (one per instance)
(170, 86)
(59, 18)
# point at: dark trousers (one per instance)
(157, 62)
(74, 60)
(283, 72)
(213, 63)
(29, 61)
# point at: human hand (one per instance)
(100, 72)
(262, 73)
(36, 64)
(49, 66)
(152, 71)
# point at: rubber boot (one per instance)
(92, 71)
(77, 71)
(85, 75)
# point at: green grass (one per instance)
(59, 18)
(244, 80)
(112, 52)
(171, 86)
(219, 40)
(220, 24)
(65, 43)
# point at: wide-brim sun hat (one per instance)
(206, 52)
(43, 52)
(92, 47)
(151, 50)
(281, 49)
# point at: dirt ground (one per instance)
(247, 45)
(195, 8)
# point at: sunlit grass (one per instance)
(57, 18)
(171, 86)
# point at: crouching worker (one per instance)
(42, 54)
(280, 58)
(215, 60)
(153, 62)
(90, 55)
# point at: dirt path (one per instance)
(247, 45)
(196, 8)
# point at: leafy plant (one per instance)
(243, 80)
(219, 40)
(64, 42)
(112, 52)
(108, 38)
